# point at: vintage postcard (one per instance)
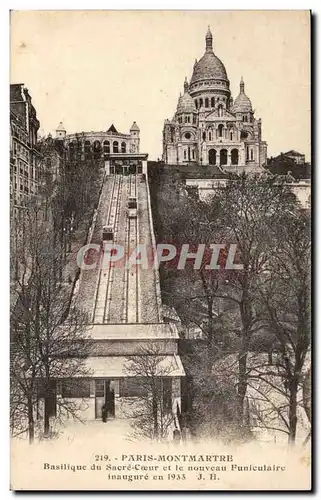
(160, 207)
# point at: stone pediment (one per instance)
(213, 116)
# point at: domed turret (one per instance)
(134, 127)
(242, 103)
(209, 66)
(60, 131)
(186, 103)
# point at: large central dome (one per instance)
(209, 66)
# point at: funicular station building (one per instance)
(123, 302)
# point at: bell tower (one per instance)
(134, 140)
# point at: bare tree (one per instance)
(248, 208)
(49, 336)
(286, 295)
(151, 412)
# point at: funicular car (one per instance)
(108, 233)
(132, 208)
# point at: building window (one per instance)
(106, 147)
(212, 157)
(75, 388)
(234, 157)
(247, 152)
(210, 136)
(196, 104)
(245, 118)
(231, 136)
(212, 102)
(223, 157)
(220, 130)
(251, 154)
(201, 103)
(123, 147)
(204, 136)
(206, 102)
(184, 154)
(100, 388)
(185, 119)
(193, 154)
(187, 135)
(194, 119)
(133, 387)
(115, 147)
(97, 147)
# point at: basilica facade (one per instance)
(209, 128)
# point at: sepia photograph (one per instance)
(160, 250)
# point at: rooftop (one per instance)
(133, 331)
(120, 366)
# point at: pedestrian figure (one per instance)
(104, 413)
(176, 436)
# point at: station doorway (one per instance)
(104, 396)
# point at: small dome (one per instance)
(60, 128)
(135, 127)
(242, 103)
(186, 104)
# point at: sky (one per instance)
(90, 69)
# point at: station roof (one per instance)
(133, 331)
(122, 367)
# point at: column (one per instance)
(144, 162)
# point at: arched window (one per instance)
(251, 154)
(193, 154)
(206, 102)
(223, 157)
(106, 147)
(201, 102)
(212, 157)
(234, 157)
(247, 152)
(204, 136)
(115, 147)
(231, 135)
(97, 147)
(123, 147)
(210, 136)
(188, 119)
(220, 130)
(212, 102)
(244, 134)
